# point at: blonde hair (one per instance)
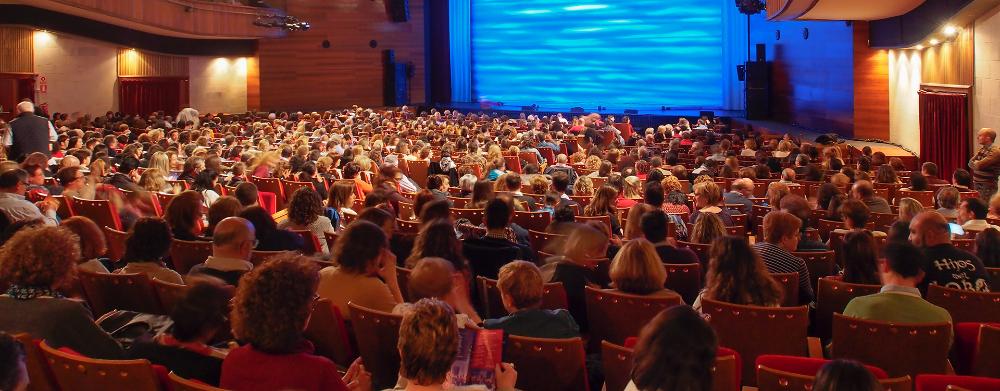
(592, 162)
(584, 186)
(707, 228)
(671, 183)
(637, 268)
(632, 187)
(710, 191)
(585, 243)
(521, 282)
(160, 160)
(152, 180)
(633, 228)
(909, 208)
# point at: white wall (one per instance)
(904, 103)
(81, 73)
(986, 100)
(218, 84)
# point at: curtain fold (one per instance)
(734, 52)
(944, 130)
(26, 88)
(460, 36)
(145, 95)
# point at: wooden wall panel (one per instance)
(950, 62)
(871, 87)
(297, 73)
(253, 84)
(17, 50)
(135, 63)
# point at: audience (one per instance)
(737, 274)
(183, 214)
(365, 273)
(269, 236)
(860, 256)
(988, 247)
(92, 244)
(707, 198)
(637, 270)
(845, 375)
(655, 228)
(675, 351)
(306, 213)
(223, 208)
(972, 215)
(899, 300)
(865, 192)
(521, 291)
(13, 369)
(577, 268)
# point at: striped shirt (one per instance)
(780, 261)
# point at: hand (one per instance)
(387, 262)
(506, 376)
(357, 378)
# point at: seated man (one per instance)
(247, 193)
(655, 227)
(972, 215)
(781, 237)
(13, 186)
(945, 264)
(563, 167)
(948, 199)
(899, 300)
(512, 182)
(799, 207)
(560, 184)
(864, 191)
(500, 245)
(741, 191)
(127, 175)
(930, 171)
(521, 290)
(232, 241)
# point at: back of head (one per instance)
(736, 274)
(358, 246)
(637, 268)
(428, 342)
(247, 193)
(92, 241)
(655, 226)
(272, 303)
(779, 225)
(797, 206)
(431, 277)
(262, 221)
(522, 283)
(904, 259)
(977, 207)
(988, 247)
(498, 213)
(232, 231)
(653, 194)
(675, 351)
(43, 257)
(201, 311)
(11, 178)
(147, 241)
(845, 375)
(948, 197)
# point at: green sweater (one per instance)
(896, 307)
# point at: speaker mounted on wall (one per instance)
(398, 10)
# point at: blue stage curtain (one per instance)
(734, 52)
(460, 33)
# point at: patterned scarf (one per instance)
(29, 292)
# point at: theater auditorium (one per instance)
(499, 195)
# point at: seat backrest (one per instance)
(407, 226)
(169, 294)
(965, 244)
(553, 297)
(952, 382)
(750, 331)
(116, 243)
(185, 254)
(685, 279)
(790, 287)
(826, 226)
(271, 185)
(820, 264)
(994, 273)
(832, 296)
(64, 211)
(310, 243)
(966, 306)
(535, 221)
(614, 316)
(617, 363)
(419, 170)
(602, 218)
(377, 334)
(985, 363)
(39, 373)
(544, 241)
(73, 372)
(406, 210)
(258, 257)
(178, 383)
(700, 249)
(899, 349)
(475, 216)
(101, 211)
(106, 292)
(926, 198)
(289, 187)
(548, 364)
(328, 332)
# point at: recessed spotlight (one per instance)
(934, 41)
(919, 47)
(950, 30)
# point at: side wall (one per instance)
(986, 100)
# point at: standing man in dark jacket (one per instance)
(29, 133)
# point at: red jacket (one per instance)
(246, 368)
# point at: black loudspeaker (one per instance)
(396, 81)
(758, 90)
(741, 72)
(398, 10)
(761, 52)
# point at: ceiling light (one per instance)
(919, 47)
(934, 41)
(950, 30)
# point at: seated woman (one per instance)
(707, 229)
(576, 268)
(269, 236)
(147, 244)
(638, 270)
(521, 290)
(339, 204)
(603, 204)
(482, 193)
(365, 273)
(918, 182)
(707, 198)
(270, 311)
(185, 349)
(183, 214)
(352, 171)
(860, 256)
(737, 275)
(584, 186)
(428, 346)
(305, 213)
(675, 351)
(205, 184)
(37, 263)
(855, 214)
(92, 243)
(885, 174)
(826, 193)
(631, 192)
(988, 247)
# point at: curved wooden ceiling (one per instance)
(839, 9)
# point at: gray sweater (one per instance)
(61, 323)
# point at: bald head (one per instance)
(233, 237)
(929, 229)
(862, 189)
(986, 136)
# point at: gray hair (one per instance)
(26, 107)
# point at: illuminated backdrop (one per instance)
(631, 54)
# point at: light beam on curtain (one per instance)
(460, 34)
(734, 38)
(944, 130)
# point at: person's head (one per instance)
(972, 209)
(961, 177)
(521, 286)
(147, 241)
(918, 182)
(437, 182)
(655, 225)
(855, 214)
(707, 194)
(929, 229)
(737, 274)
(437, 239)
(860, 258)
(234, 237)
(845, 375)
(13, 372)
(560, 181)
(70, 177)
(201, 313)
(247, 193)
(467, 182)
(226, 206)
(653, 194)
(948, 197)
(14, 181)
(273, 303)
(707, 227)
(908, 208)
(434, 210)
(929, 169)
(988, 247)
(206, 180)
(304, 207)
(359, 248)
(584, 186)
(341, 195)
(675, 351)
(986, 136)
(499, 213)
(585, 244)
(782, 228)
(862, 190)
(428, 342)
(743, 186)
(262, 221)
(431, 277)
(381, 218)
(40, 257)
(482, 191)
(92, 242)
(637, 268)
(903, 264)
(184, 211)
(797, 206)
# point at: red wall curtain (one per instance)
(145, 95)
(944, 130)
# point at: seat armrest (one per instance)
(815, 347)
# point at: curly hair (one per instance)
(273, 302)
(40, 257)
(428, 342)
(305, 207)
(671, 183)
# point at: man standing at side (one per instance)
(29, 133)
(985, 165)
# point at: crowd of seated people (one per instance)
(407, 214)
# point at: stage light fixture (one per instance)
(934, 41)
(950, 30)
(289, 23)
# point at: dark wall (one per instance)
(812, 79)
